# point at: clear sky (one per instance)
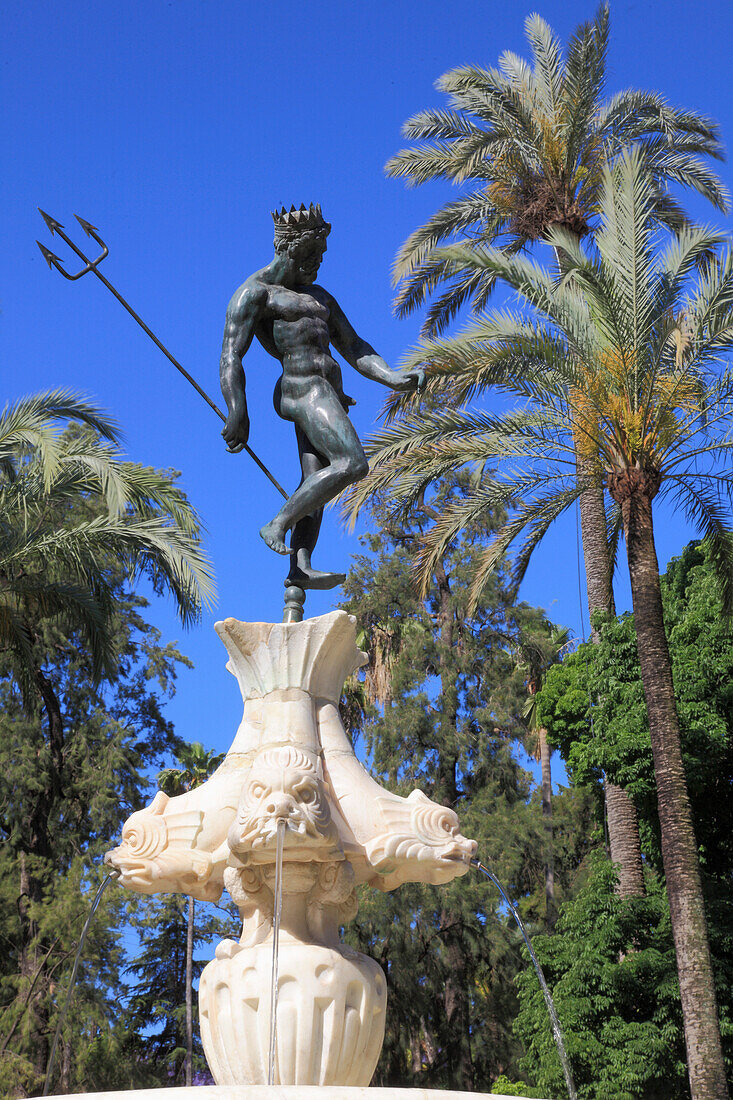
(175, 128)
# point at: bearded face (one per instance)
(283, 786)
(305, 255)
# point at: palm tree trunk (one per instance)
(623, 840)
(546, 771)
(598, 577)
(679, 850)
(623, 820)
(189, 993)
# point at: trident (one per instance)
(91, 265)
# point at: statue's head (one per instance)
(300, 236)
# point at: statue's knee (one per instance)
(350, 470)
(359, 468)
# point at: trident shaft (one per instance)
(92, 265)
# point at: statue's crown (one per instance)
(290, 222)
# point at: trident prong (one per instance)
(57, 227)
(92, 231)
(91, 265)
(51, 258)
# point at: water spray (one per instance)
(555, 1022)
(72, 980)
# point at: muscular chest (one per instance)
(293, 306)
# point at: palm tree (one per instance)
(74, 518)
(619, 364)
(196, 765)
(536, 653)
(55, 550)
(534, 139)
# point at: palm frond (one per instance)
(548, 74)
(585, 77)
(475, 210)
(33, 425)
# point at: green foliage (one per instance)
(504, 1087)
(617, 742)
(430, 719)
(594, 709)
(611, 967)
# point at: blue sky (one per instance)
(175, 128)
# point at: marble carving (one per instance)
(291, 761)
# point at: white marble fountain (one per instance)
(290, 762)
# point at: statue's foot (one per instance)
(306, 578)
(273, 536)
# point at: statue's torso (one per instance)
(294, 328)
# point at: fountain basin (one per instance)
(286, 1092)
(291, 773)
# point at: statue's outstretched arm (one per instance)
(243, 313)
(362, 356)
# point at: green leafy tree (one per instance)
(196, 764)
(77, 524)
(701, 650)
(430, 722)
(619, 362)
(612, 970)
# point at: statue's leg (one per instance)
(305, 532)
(323, 421)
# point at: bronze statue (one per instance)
(296, 321)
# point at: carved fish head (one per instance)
(439, 830)
(144, 837)
(422, 842)
(157, 851)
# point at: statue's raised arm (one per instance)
(361, 355)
